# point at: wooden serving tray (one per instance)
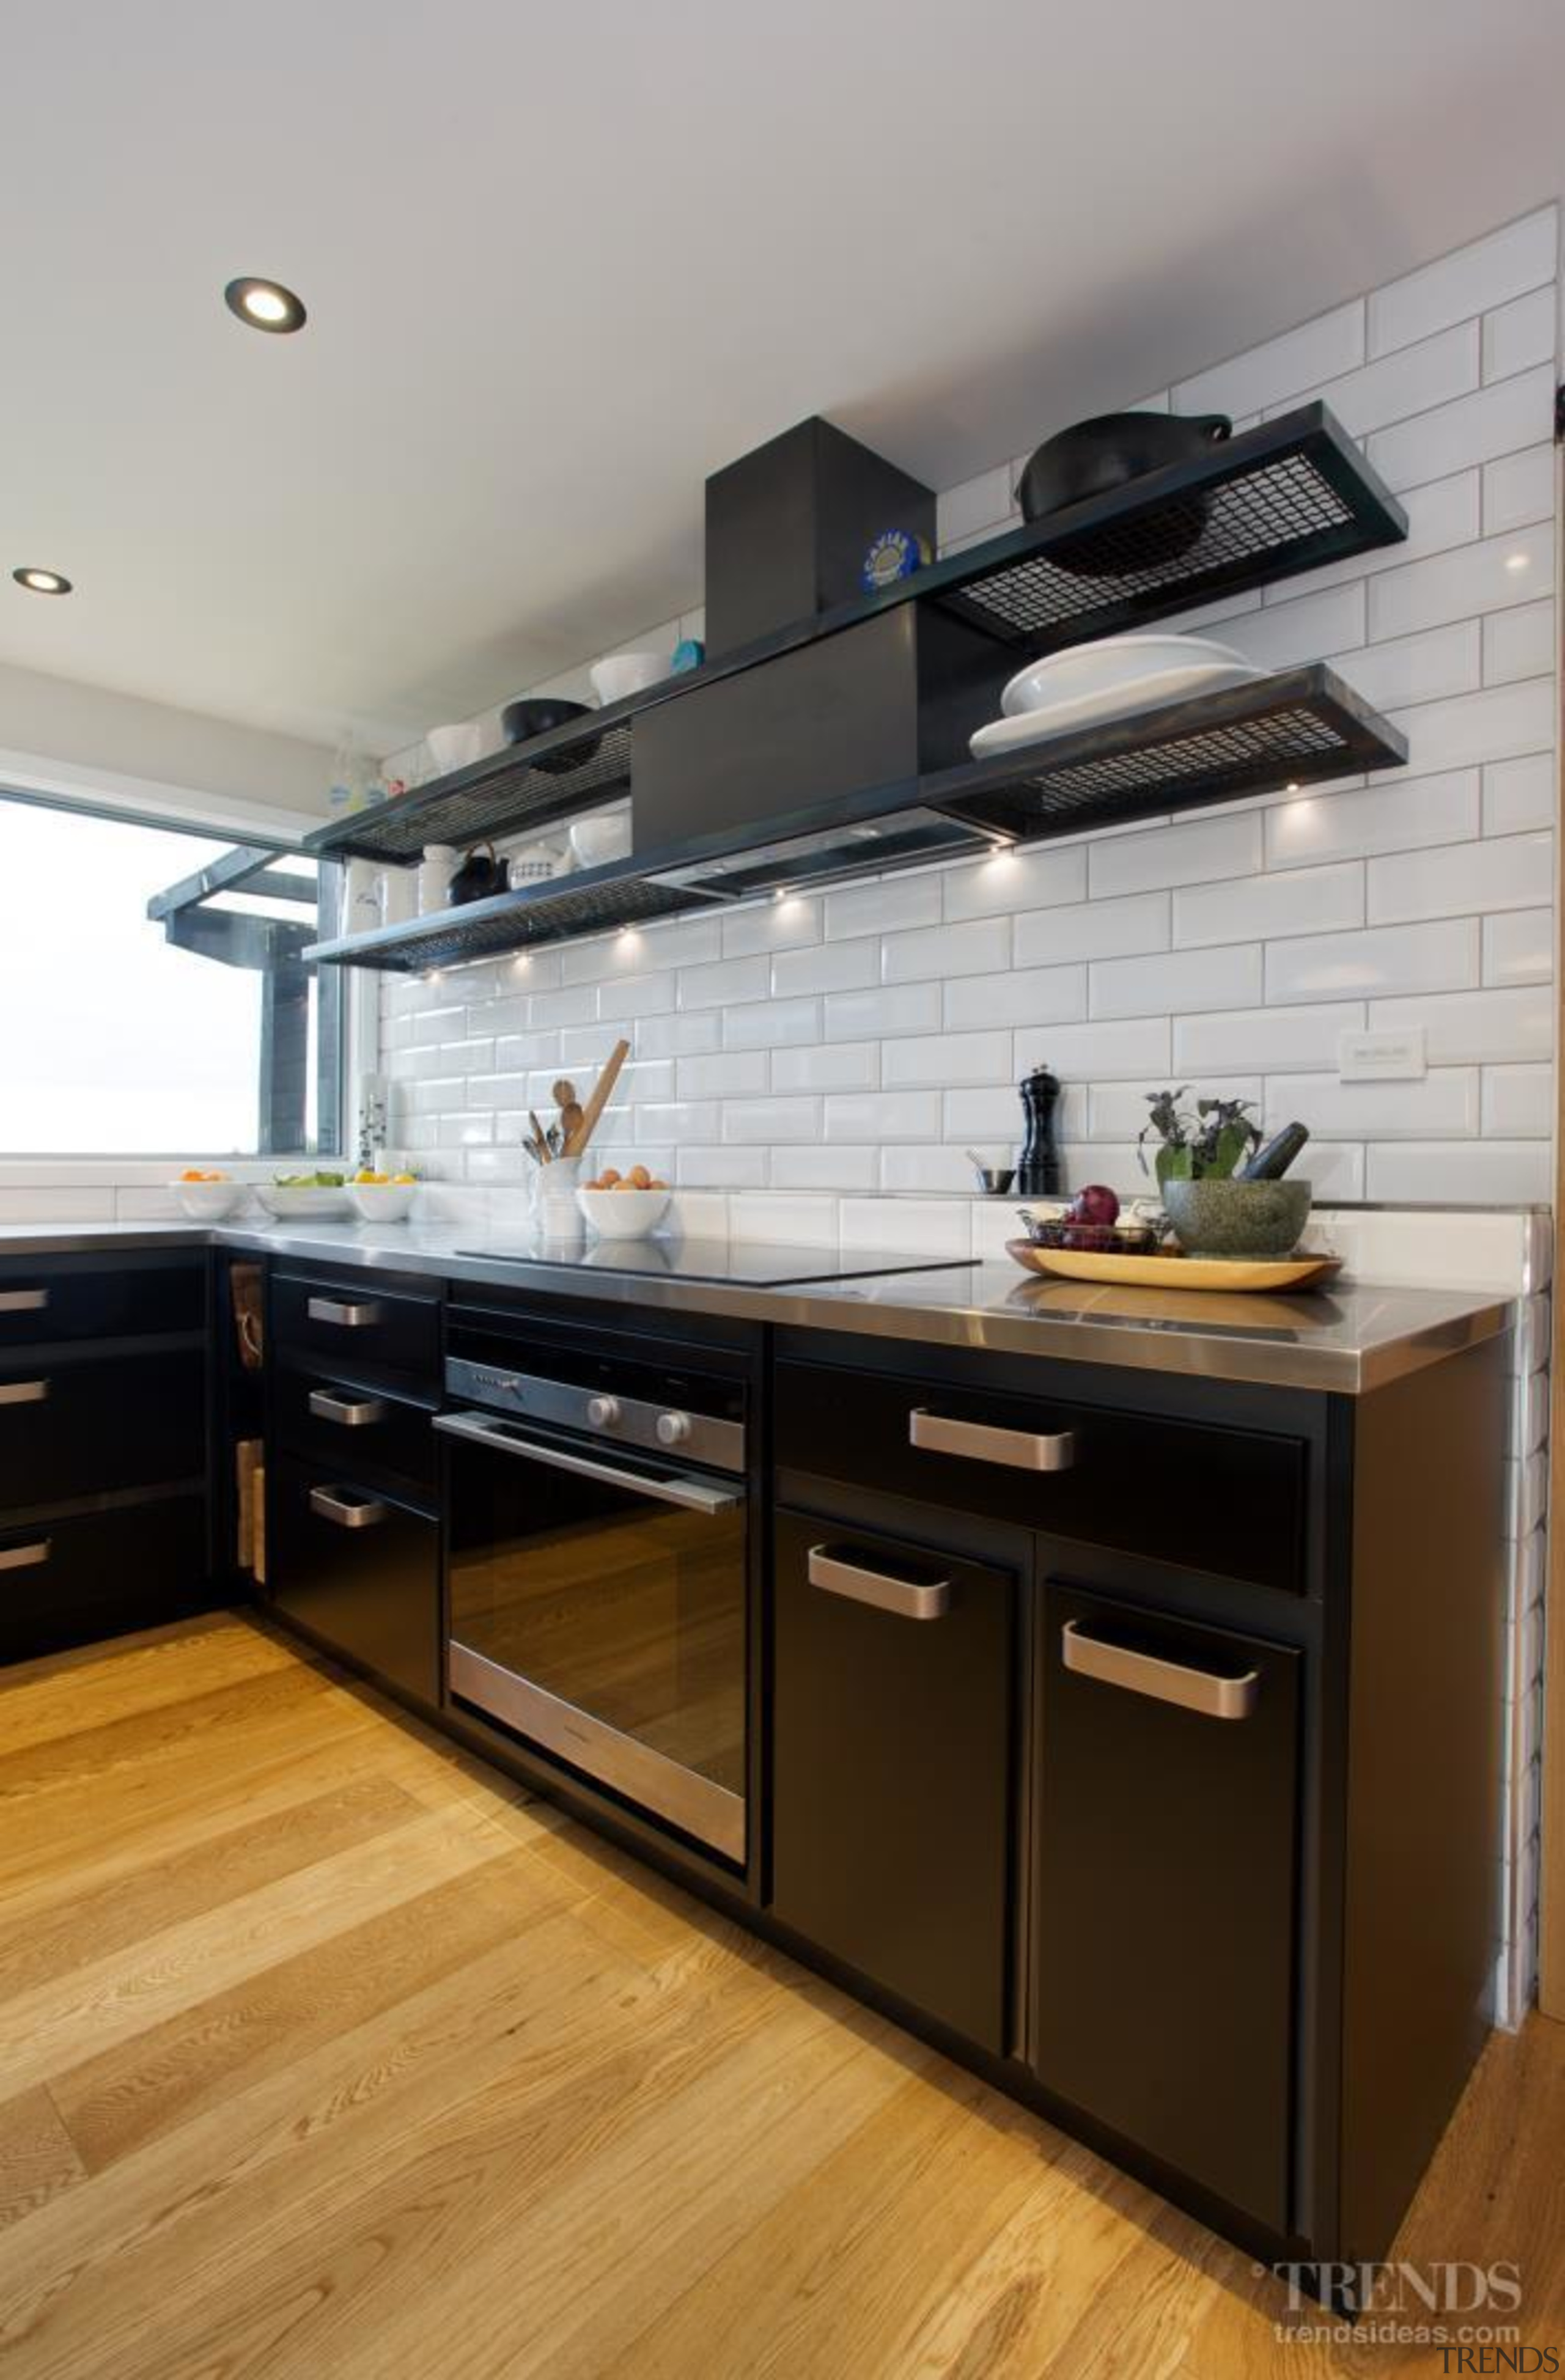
(1176, 1271)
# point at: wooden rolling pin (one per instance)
(601, 1091)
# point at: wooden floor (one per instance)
(329, 2054)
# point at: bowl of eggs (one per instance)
(625, 1206)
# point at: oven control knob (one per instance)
(673, 1428)
(602, 1411)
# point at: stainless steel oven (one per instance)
(597, 1565)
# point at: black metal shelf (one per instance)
(1297, 727)
(1285, 497)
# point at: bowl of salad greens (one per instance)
(320, 1195)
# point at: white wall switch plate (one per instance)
(1381, 1056)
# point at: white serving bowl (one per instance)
(208, 1202)
(596, 841)
(623, 1214)
(624, 673)
(453, 748)
(287, 1205)
(382, 1202)
(1109, 664)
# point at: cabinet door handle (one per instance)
(1164, 1682)
(978, 1441)
(347, 1512)
(23, 1301)
(907, 1598)
(23, 1393)
(26, 1557)
(349, 1413)
(348, 1315)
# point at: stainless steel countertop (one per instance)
(1347, 1338)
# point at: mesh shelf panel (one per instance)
(497, 797)
(489, 931)
(1188, 545)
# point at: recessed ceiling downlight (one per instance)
(42, 582)
(264, 305)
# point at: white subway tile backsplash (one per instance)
(1019, 882)
(1463, 1028)
(1230, 977)
(702, 1166)
(882, 907)
(772, 1119)
(1500, 872)
(655, 1037)
(1199, 851)
(1520, 643)
(1493, 420)
(981, 946)
(725, 984)
(942, 1058)
(974, 1114)
(1469, 580)
(1117, 1111)
(1379, 817)
(912, 1226)
(1484, 274)
(834, 966)
(1496, 724)
(908, 1008)
(789, 1223)
(1409, 380)
(1025, 996)
(825, 1167)
(1443, 661)
(1520, 794)
(1518, 1102)
(1519, 489)
(1103, 1053)
(942, 1168)
(883, 1115)
(1094, 929)
(1444, 1105)
(1318, 351)
(1439, 514)
(1480, 1173)
(771, 925)
(1283, 634)
(1300, 900)
(1524, 332)
(1519, 947)
(1263, 1039)
(830, 1067)
(1439, 957)
(771, 1025)
(728, 1073)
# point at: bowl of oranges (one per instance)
(207, 1196)
(381, 1198)
(625, 1206)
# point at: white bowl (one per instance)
(624, 673)
(382, 1202)
(1110, 664)
(596, 841)
(208, 1202)
(623, 1214)
(290, 1206)
(455, 748)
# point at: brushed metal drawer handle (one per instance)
(27, 1557)
(1163, 1682)
(23, 1301)
(978, 1441)
(907, 1598)
(347, 1512)
(348, 1315)
(348, 1413)
(23, 1393)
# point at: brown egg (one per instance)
(640, 1177)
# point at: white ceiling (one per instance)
(561, 262)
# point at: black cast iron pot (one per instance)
(1091, 457)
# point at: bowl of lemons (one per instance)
(382, 1198)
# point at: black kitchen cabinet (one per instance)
(892, 1766)
(77, 1576)
(86, 1423)
(358, 1569)
(379, 1435)
(1165, 1888)
(359, 1320)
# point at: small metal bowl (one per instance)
(994, 1180)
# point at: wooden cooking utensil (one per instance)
(570, 1118)
(539, 1137)
(601, 1091)
(564, 1093)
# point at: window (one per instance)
(153, 998)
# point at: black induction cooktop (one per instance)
(744, 1264)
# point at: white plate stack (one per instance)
(1087, 686)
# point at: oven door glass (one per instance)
(598, 1607)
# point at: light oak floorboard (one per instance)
(326, 2052)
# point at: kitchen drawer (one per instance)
(1228, 1502)
(334, 1422)
(1166, 1890)
(359, 1570)
(356, 1322)
(98, 1573)
(893, 1764)
(87, 1425)
(48, 1304)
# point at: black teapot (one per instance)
(482, 872)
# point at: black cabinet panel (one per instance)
(47, 1303)
(376, 1433)
(892, 1767)
(1229, 1501)
(89, 1425)
(1165, 1875)
(359, 1570)
(356, 1322)
(66, 1582)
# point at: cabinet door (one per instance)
(892, 1766)
(360, 1570)
(93, 1574)
(1166, 1890)
(78, 1425)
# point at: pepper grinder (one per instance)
(1037, 1173)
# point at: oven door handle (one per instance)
(694, 1495)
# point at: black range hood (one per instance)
(853, 846)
